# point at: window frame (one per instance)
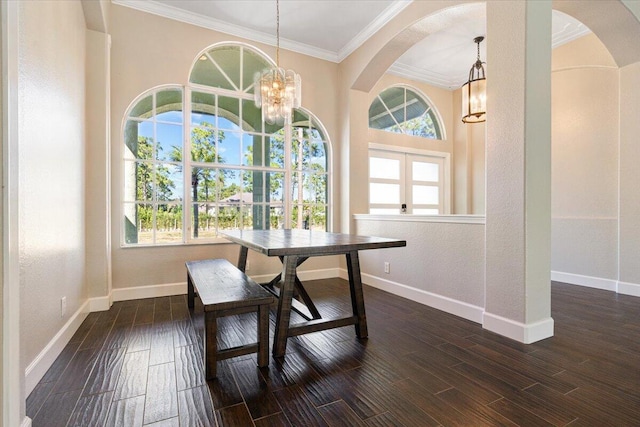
(187, 202)
(405, 155)
(439, 123)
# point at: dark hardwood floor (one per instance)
(140, 364)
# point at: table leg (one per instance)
(242, 259)
(357, 298)
(284, 306)
(190, 292)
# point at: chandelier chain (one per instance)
(278, 34)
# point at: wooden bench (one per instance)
(224, 290)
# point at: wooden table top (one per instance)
(307, 242)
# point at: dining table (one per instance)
(293, 247)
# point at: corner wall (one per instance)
(51, 133)
(585, 171)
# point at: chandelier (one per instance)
(277, 91)
(474, 92)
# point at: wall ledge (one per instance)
(453, 219)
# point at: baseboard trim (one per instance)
(524, 333)
(150, 291)
(588, 281)
(627, 288)
(446, 304)
(26, 422)
(99, 304)
(43, 361)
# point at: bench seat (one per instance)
(224, 290)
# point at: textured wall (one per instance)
(630, 177)
(51, 168)
(585, 160)
(441, 258)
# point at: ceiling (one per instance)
(332, 29)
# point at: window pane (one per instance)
(203, 221)
(413, 114)
(169, 105)
(253, 186)
(144, 181)
(169, 145)
(276, 150)
(251, 150)
(138, 138)
(318, 151)
(204, 72)
(130, 181)
(316, 188)
(138, 223)
(203, 144)
(229, 216)
(169, 223)
(384, 168)
(252, 64)
(229, 146)
(168, 180)
(276, 186)
(425, 195)
(205, 180)
(318, 217)
(276, 217)
(384, 193)
(423, 171)
(228, 59)
(228, 113)
(251, 116)
(203, 108)
(231, 190)
(143, 108)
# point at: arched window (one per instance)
(400, 109)
(199, 158)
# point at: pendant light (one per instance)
(277, 91)
(474, 92)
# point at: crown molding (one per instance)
(181, 15)
(381, 20)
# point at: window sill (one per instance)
(453, 219)
(216, 241)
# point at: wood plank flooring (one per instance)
(140, 363)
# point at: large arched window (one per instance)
(400, 109)
(199, 159)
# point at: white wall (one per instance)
(51, 167)
(585, 163)
(442, 264)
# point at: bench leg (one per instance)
(210, 344)
(263, 335)
(190, 292)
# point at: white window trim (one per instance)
(445, 156)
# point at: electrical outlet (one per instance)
(387, 268)
(63, 306)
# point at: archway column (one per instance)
(518, 202)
